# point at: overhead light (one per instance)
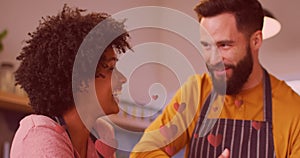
(271, 25)
(295, 85)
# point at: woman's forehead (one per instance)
(109, 55)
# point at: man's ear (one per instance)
(256, 40)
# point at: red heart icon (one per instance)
(214, 140)
(168, 132)
(154, 97)
(196, 135)
(106, 149)
(256, 125)
(60, 129)
(238, 103)
(215, 109)
(179, 107)
(170, 150)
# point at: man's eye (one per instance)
(224, 45)
(206, 45)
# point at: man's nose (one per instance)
(215, 56)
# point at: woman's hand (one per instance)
(225, 154)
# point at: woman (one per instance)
(47, 73)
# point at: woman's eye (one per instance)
(104, 65)
(225, 45)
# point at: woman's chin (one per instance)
(116, 110)
(113, 109)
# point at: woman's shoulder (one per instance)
(38, 121)
(41, 134)
(40, 126)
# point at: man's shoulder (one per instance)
(282, 89)
(198, 82)
(284, 97)
(200, 78)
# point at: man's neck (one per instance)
(255, 78)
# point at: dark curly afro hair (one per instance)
(47, 59)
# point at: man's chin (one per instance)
(219, 84)
(221, 78)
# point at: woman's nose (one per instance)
(120, 77)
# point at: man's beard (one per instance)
(240, 75)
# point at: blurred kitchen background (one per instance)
(161, 61)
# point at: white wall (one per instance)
(21, 17)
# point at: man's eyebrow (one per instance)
(225, 42)
(205, 42)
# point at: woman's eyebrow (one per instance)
(113, 59)
(104, 58)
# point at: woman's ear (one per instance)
(256, 40)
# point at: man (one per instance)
(238, 109)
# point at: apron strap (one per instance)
(267, 97)
(205, 107)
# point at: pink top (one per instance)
(40, 136)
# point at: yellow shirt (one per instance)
(285, 114)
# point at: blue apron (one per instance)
(244, 138)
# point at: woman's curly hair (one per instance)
(47, 59)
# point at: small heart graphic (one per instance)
(170, 150)
(179, 107)
(168, 132)
(238, 103)
(60, 129)
(154, 97)
(214, 140)
(215, 109)
(106, 149)
(196, 135)
(256, 125)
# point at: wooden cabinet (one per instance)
(14, 102)
(12, 109)
(18, 104)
